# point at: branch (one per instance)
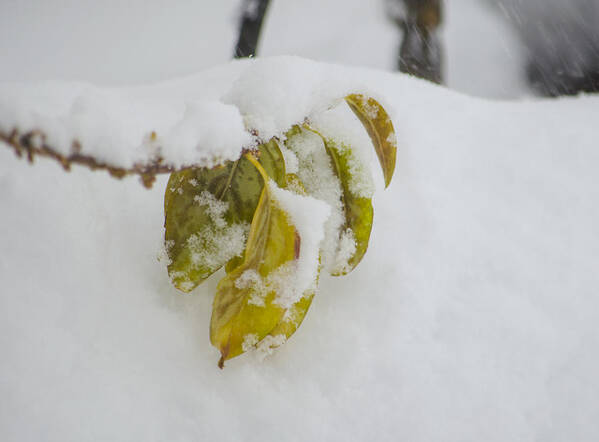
(420, 53)
(33, 143)
(249, 29)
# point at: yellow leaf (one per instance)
(244, 309)
(292, 319)
(295, 314)
(379, 126)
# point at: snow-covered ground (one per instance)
(472, 317)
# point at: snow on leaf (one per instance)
(358, 212)
(294, 316)
(208, 214)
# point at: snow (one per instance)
(320, 182)
(333, 125)
(308, 215)
(123, 130)
(274, 95)
(129, 126)
(251, 279)
(473, 315)
(475, 307)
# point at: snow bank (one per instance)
(473, 316)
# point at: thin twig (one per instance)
(33, 143)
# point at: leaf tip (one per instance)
(224, 353)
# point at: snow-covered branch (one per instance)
(33, 143)
(168, 126)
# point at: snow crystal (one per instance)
(214, 245)
(360, 183)
(291, 161)
(268, 345)
(345, 250)
(284, 281)
(249, 342)
(163, 252)
(392, 139)
(251, 279)
(372, 111)
(215, 208)
(217, 242)
(182, 279)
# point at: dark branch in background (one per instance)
(34, 143)
(420, 53)
(249, 30)
(561, 44)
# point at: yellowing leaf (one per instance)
(208, 213)
(379, 126)
(295, 314)
(271, 159)
(244, 311)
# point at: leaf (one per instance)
(271, 158)
(294, 184)
(273, 162)
(295, 314)
(292, 319)
(358, 211)
(379, 126)
(208, 212)
(244, 309)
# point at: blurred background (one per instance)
(491, 48)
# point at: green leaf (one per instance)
(379, 126)
(244, 309)
(357, 209)
(208, 213)
(273, 162)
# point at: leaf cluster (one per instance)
(229, 216)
